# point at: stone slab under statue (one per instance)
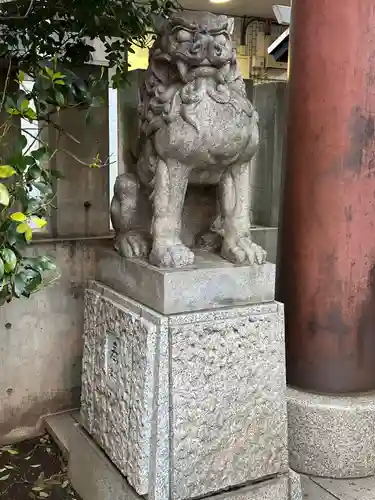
(183, 381)
(210, 283)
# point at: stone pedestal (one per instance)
(184, 388)
(332, 436)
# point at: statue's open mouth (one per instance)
(204, 69)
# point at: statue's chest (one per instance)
(215, 127)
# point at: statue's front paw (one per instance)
(132, 245)
(171, 256)
(242, 250)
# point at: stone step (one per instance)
(91, 473)
(94, 477)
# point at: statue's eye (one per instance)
(183, 36)
(221, 39)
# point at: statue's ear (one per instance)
(159, 23)
(230, 25)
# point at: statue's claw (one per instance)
(132, 245)
(242, 250)
(177, 255)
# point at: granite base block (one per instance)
(295, 486)
(331, 436)
(273, 489)
(185, 405)
(210, 283)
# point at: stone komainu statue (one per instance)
(197, 126)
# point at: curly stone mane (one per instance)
(171, 87)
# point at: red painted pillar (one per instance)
(327, 250)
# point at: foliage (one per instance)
(64, 28)
(45, 40)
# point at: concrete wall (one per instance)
(41, 344)
(41, 338)
(270, 101)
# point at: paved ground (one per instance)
(34, 469)
(328, 489)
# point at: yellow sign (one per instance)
(138, 60)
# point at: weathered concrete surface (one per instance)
(41, 344)
(270, 102)
(83, 194)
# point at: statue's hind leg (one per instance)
(130, 215)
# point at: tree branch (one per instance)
(24, 16)
(6, 85)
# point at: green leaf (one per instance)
(19, 284)
(2, 269)
(31, 114)
(59, 82)
(6, 171)
(28, 233)
(13, 111)
(49, 72)
(10, 259)
(42, 263)
(22, 228)
(33, 280)
(4, 478)
(21, 144)
(18, 217)
(4, 195)
(40, 154)
(60, 99)
(58, 75)
(34, 172)
(9, 103)
(21, 76)
(24, 105)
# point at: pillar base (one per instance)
(331, 436)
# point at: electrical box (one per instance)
(243, 63)
(258, 62)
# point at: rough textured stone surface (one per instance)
(226, 407)
(331, 436)
(92, 475)
(273, 489)
(228, 420)
(197, 401)
(295, 487)
(197, 127)
(210, 282)
(118, 395)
